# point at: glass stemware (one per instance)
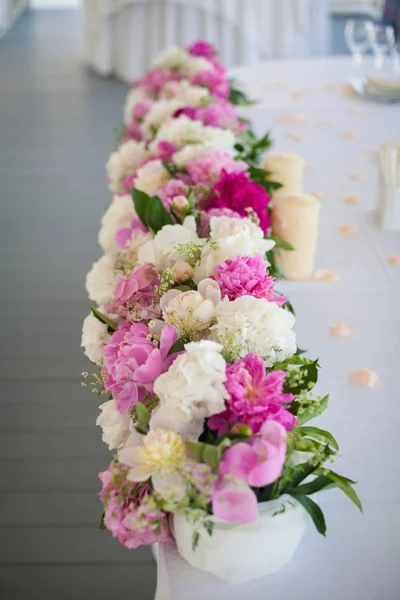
(357, 34)
(382, 41)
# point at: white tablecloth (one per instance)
(123, 36)
(359, 559)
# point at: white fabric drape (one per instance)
(122, 36)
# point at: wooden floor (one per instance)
(56, 131)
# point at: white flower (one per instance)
(171, 58)
(134, 96)
(188, 153)
(183, 131)
(158, 114)
(196, 64)
(151, 176)
(94, 337)
(192, 311)
(230, 238)
(117, 216)
(254, 325)
(159, 455)
(124, 162)
(162, 251)
(100, 281)
(189, 95)
(191, 390)
(115, 425)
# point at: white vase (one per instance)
(238, 553)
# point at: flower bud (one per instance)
(182, 271)
(180, 202)
(242, 429)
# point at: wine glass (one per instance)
(382, 41)
(357, 38)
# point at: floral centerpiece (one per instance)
(208, 397)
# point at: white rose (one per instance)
(162, 251)
(151, 176)
(189, 95)
(254, 325)
(192, 389)
(124, 162)
(158, 114)
(115, 425)
(192, 311)
(134, 96)
(194, 65)
(171, 58)
(230, 238)
(100, 281)
(94, 337)
(117, 216)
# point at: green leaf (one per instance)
(103, 319)
(178, 346)
(302, 378)
(195, 540)
(345, 485)
(237, 97)
(157, 215)
(196, 449)
(102, 524)
(211, 455)
(314, 511)
(299, 351)
(321, 435)
(191, 199)
(318, 484)
(315, 410)
(299, 473)
(142, 413)
(170, 168)
(140, 200)
(280, 243)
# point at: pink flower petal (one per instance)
(238, 461)
(235, 502)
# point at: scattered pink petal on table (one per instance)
(289, 118)
(356, 176)
(352, 199)
(346, 229)
(308, 166)
(295, 136)
(331, 87)
(355, 112)
(348, 91)
(325, 275)
(343, 330)
(364, 377)
(394, 260)
(325, 122)
(271, 85)
(349, 135)
(297, 94)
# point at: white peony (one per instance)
(94, 337)
(117, 216)
(158, 114)
(151, 176)
(124, 162)
(255, 325)
(192, 311)
(171, 58)
(196, 64)
(162, 251)
(188, 153)
(100, 281)
(183, 131)
(115, 425)
(189, 95)
(229, 238)
(134, 96)
(191, 390)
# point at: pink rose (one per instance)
(215, 81)
(202, 48)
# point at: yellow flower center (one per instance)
(162, 450)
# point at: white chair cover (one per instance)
(122, 36)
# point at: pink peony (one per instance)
(128, 514)
(132, 362)
(246, 276)
(170, 189)
(202, 48)
(133, 131)
(165, 151)
(234, 501)
(207, 169)
(155, 80)
(218, 114)
(124, 234)
(215, 81)
(255, 397)
(236, 191)
(141, 109)
(134, 295)
(260, 461)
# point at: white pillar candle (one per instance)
(287, 169)
(295, 219)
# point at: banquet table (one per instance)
(312, 113)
